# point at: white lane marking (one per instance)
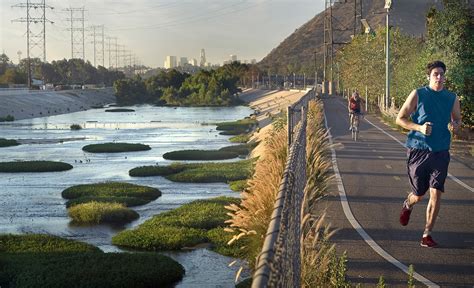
(350, 217)
(399, 142)
(449, 174)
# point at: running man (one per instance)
(427, 112)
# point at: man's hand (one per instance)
(426, 128)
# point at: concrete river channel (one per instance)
(32, 202)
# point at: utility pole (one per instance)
(388, 4)
(77, 42)
(35, 13)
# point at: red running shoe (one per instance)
(428, 242)
(405, 214)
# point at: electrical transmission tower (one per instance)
(77, 33)
(98, 42)
(330, 29)
(110, 50)
(202, 63)
(35, 39)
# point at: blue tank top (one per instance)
(435, 107)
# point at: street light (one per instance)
(294, 80)
(388, 4)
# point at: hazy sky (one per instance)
(152, 29)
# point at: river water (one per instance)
(32, 202)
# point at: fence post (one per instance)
(290, 126)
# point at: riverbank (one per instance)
(267, 104)
(24, 104)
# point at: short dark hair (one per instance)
(435, 64)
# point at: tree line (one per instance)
(450, 38)
(60, 72)
(216, 87)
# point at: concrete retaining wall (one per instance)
(23, 104)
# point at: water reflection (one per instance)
(32, 202)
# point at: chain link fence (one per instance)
(279, 262)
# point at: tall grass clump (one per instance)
(250, 219)
(99, 212)
(321, 267)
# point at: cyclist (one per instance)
(354, 105)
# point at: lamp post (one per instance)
(294, 80)
(388, 4)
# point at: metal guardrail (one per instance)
(279, 262)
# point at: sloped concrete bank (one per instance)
(24, 104)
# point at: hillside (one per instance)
(297, 51)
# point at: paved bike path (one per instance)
(372, 185)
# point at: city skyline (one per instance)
(149, 31)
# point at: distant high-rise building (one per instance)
(170, 62)
(253, 61)
(193, 62)
(233, 57)
(202, 63)
(183, 61)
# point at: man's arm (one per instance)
(456, 115)
(403, 117)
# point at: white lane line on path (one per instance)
(449, 174)
(350, 217)
(399, 142)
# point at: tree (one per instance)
(451, 39)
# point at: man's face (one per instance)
(437, 78)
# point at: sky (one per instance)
(152, 29)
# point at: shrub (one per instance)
(115, 147)
(219, 237)
(241, 138)
(238, 186)
(126, 201)
(96, 213)
(78, 270)
(200, 155)
(7, 118)
(119, 110)
(34, 166)
(75, 127)
(183, 227)
(237, 127)
(199, 172)
(112, 189)
(10, 243)
(8, 142)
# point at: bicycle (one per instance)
(355, 125)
